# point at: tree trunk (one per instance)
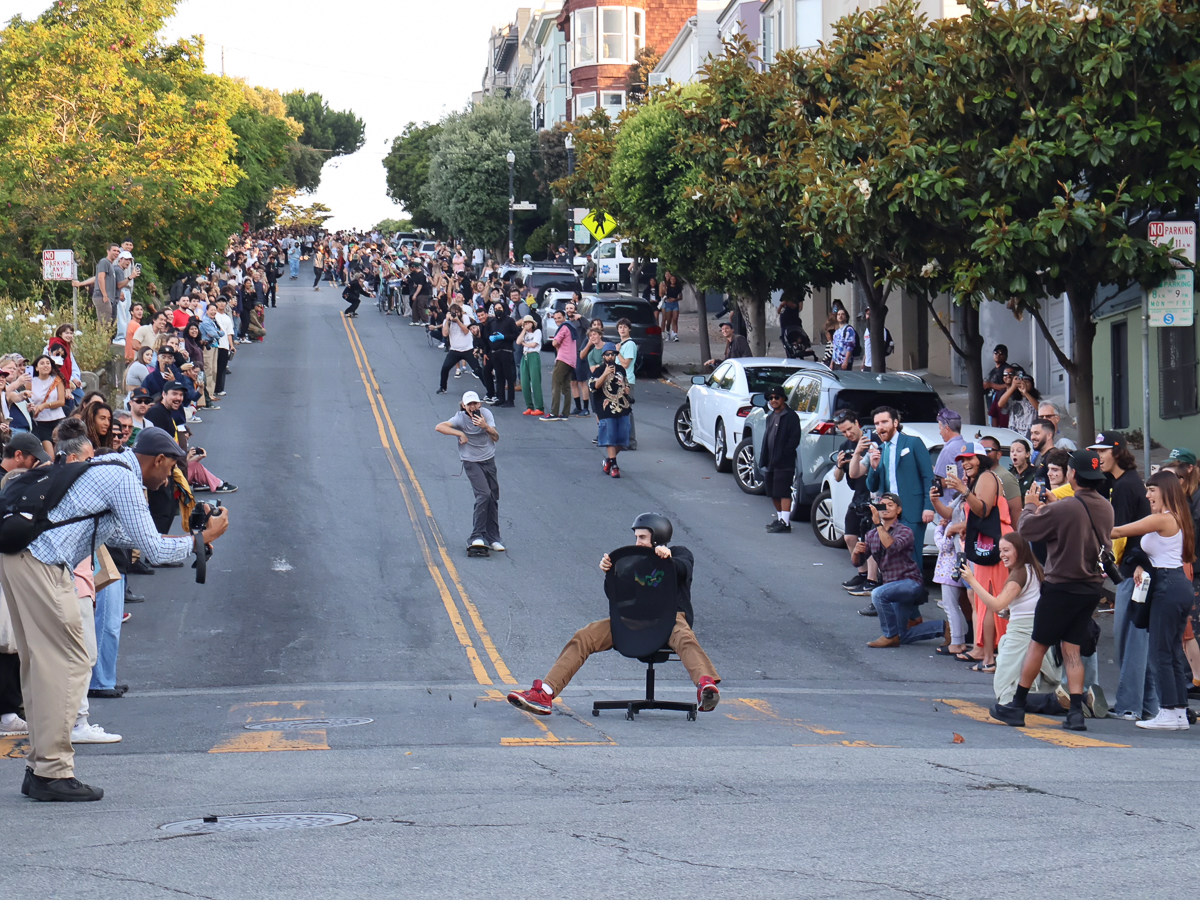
(635, 274)
(1083, 328)
(973, 341)
(702, 320)
(877, 303)
(756, 323)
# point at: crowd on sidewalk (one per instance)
(178, 349)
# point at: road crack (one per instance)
(105, 875)
(621, 845)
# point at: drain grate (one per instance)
(309, 724)
(273, 822)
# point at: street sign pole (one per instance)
(1145, 383)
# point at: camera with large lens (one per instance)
(197, 522)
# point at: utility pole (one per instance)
(569, 143)
(512, 158)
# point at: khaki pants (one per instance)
(55, 668)
(597, 637)
(1010, 660)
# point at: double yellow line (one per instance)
(441, 567)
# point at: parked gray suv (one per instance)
(815, 392)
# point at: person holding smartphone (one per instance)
(475, 429)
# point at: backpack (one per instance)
(346, 293)
(28, 498)
(858, 347)
(889, 346)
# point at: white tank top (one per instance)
(1164, 552)
(1026, 602)
(40, 389)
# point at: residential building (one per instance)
(604, 41)
(548, 81)
(740, 17)
(699, 39)
(509, 64)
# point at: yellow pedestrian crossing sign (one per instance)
(599, 224)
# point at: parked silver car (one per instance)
(816, 393)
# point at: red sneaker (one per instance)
(534, 700)
(707, 694)
(614, 470)
(608, 466)
(536, 412)
(529, 412)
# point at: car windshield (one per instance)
(566, 279)
(759, 378)
(637, 313)
(914, 406)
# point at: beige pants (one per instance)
(210, 372)
(1010, 660)
(51, 639)
(597, 637)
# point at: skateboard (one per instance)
(474, 551)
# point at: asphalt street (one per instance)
(343, 592)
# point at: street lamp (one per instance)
(569, 143)
(512, 158)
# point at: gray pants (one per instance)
(486, 523)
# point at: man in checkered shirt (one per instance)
(40, 590)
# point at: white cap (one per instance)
(470, 397)
(124, 254)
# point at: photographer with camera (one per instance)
(475, 429)
(848, 463)
(456, 331)
(1078, 555)
(898, 599)
(102, 504)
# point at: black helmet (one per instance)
(658, 525)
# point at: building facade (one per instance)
(550, 73)
(509, 63)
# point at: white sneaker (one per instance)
(11, 724)
(92, 734)
(479, 542)
(196, 419)
(497, 546)
(1166, 720)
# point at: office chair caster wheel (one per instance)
(629, 714)
(596, 713)
(691, 716)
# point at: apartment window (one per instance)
(562, 63)
(584, 104)
(635, 30)
(768, 40)
(585, 37)
(612, 101)
(1177, 387)
(808, 23)
(612, 34)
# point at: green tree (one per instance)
(391, 226)
(338, 132)
(1087, 127)
(407, 165)
(468, 174)
(265, 136)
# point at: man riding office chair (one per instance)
(627, 595)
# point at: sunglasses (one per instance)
(139, 400)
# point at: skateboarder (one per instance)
(475, 429)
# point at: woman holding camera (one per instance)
(1168, 542)
(460, 345)
(1015, 602)
(987, 519)
(1020, 402)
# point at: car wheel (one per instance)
(821, 518)
(650, 369)
(683, 427)
(720, 457)
(744, 471)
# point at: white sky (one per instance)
(391, 61)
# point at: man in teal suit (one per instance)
(900, 465)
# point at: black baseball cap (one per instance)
(1108, 440)
(28, 444)
(1001, 348)
(774, 390)
(174, 386)
(1086, 464)
(156, 442)
(140, 394)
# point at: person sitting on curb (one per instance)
(898, 599)
(650, 530)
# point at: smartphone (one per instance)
(951, 470)
(29, 370)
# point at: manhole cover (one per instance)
(309, 724)
(258, 823)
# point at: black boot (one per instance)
(1009, 714)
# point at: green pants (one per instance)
(531, 380)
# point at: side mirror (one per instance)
(699, 379)
(759, 400)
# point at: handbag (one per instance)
(1105, 560)
(982, 544)
(106, 570)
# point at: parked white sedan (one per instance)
(716, 406)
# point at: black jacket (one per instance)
(779, 449)
(684, 563)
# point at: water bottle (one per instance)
(1141, 591)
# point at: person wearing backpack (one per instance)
(52, 518)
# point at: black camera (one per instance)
(198, 521)
(959, 561)
(880, 505)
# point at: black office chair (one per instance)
(643, 596)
